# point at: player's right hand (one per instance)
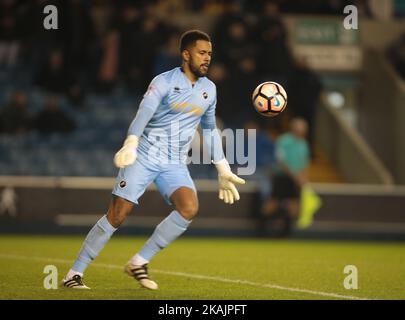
(127, 154)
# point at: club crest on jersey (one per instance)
(123, 184)
(205, 95)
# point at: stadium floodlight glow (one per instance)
(336, 99)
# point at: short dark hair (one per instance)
(189, 38)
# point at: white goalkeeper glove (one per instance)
(227, 180)
(127, 154)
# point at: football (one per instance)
(269, 99)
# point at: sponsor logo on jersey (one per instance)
(187, 108)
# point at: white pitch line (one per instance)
(194, 276)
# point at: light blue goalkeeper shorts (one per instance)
(133, 180)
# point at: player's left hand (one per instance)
(227, 189)
(227, 180)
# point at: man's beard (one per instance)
(196, 70)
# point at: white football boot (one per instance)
(76, 282)
(140, 273)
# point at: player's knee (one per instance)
(115, 218)
(118, 211)
(188, 209)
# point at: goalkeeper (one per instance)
(175, 103)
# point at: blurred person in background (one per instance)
(290, 175)
(232, 13)
(78, 39)
(9, 33)
(237, 54)
(151, 34)
(104, 50)
(242, 80)
(37, 42)
(57, 77)
(168, 55)
(54, 76)
(78, 33)
(15, 117)
(52, 119)
(274, 55)
(107, 74)
(225, 93)
(172, 7)
(236, 45)
(128, 24)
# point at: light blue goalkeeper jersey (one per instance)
(169, 115)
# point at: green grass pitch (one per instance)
(208, 268)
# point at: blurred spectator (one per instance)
(37, 41)
(107, 74)
(235, 57)
(168, 56)
(396, 54)
(54, 77)
(304, 89)
(235, 46)
(102, 14)
(9, 32)
(290, 175)
(274, 55)
(52, 119)
(152, 33)
(15, 118)
(8, 202)
(219, 75)
(128, 24)
(234, 89)
(232, 13)
(78, 34)
(141, 35)
(242, 80)
(171, 7)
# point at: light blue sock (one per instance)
(166, 232)
(95, 241)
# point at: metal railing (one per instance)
(382, 112)
(347, 149)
